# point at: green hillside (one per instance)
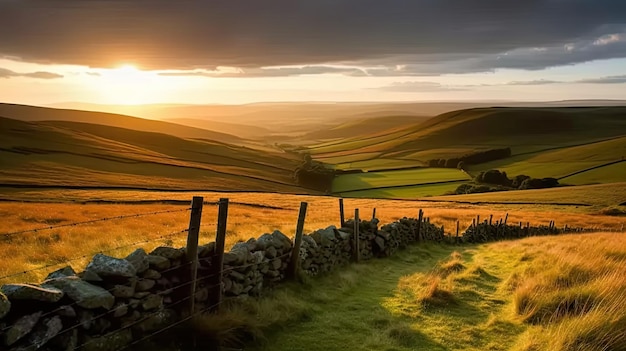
(82, 154)
(523, 129)
(33, 113)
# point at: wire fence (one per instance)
(211, 277)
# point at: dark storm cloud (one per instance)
(188, 35)
(5, 73)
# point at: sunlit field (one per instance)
(250, 215)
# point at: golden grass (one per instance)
(572, 289)
(250, 215)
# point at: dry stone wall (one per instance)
(115, 301)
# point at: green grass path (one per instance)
(368, 306)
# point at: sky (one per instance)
(236, 51)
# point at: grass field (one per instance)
(358, 181)
(83, 154)
(541, 293)
(250, 215)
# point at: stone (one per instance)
(327, 236)
(156, 320)
(86, 319)
(84, 294)
(141, 295)
(206, 250)
(66, 271)
(107, 266)
(237, 256)
(21, 328)
(264, 241)
(276, 264)
(108, 342)
(31, 292)
(168, 252)
(159, 262)
(145, 284)
(151, 274)
(139, 260)
(380, 242)
(66, 311)
(45, 331)
(5, 305)
(120, 310)
(134, 303)
(310, 241)
(283, 239)
(152, 302)
(271, 252)
(90, 276)
(123, 291)
(236, 275)
(66, 341)
(202, 294)
(130, 319)
(344, 235)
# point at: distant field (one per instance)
(612, 173)
(407, 192)
(358, 181)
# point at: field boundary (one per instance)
(171, 286)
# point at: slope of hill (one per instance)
(458, 132)
(33, 113)
(61, 153)
(240, 130)
(364, 126)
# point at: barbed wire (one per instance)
(91, 221)
(166, 236)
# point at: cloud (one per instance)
(231, 72)
(425, 37)
(418, 87)
(5, 73)
(605, 80)
(534, 82)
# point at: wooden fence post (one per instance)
(419, 225)
(357, 248)
(457, 232)
(294, 265)
(490, 219)
(341, 214)
(193, 232)
(215, 296)
(374, 213)
(506, 217)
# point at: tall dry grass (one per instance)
(571, 291)
(250, 215)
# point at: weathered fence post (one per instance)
(193, 232)
(506, 217)
(294, 265)
(419, 225)
(490, 219)
(374, 213)
(215, 296)
(457, 232)
(342, 218)
(357, 248)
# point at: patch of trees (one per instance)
(314, 175)
(471, 158)
(495, 180)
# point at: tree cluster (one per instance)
(471, 158)
(314, 175)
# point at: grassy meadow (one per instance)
(540, 293)
(250, 215)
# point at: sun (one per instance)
(127, 85)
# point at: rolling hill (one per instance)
(455, 133)
(77, 154)
(34, 113)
